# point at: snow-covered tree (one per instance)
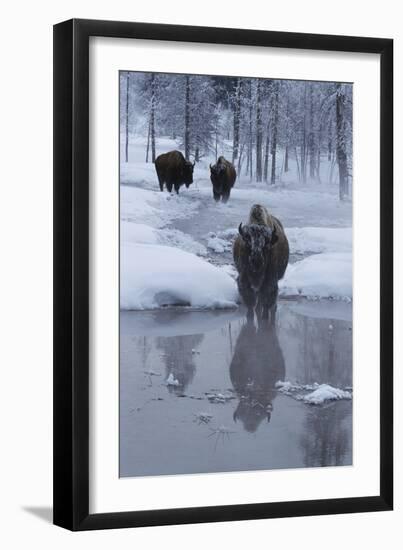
(270, 129)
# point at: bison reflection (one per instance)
(256, 366)
(178, 356)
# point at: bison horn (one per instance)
(210, 165)
(240, 230)
(194, 163)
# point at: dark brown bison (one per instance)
(174, 170)
(261, 255)
(257, 364)
(223, 176)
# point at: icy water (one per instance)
(223, 412)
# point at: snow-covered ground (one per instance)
(169, 243)
(154, 276)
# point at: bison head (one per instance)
(218, 168)
(188, 173)
(258, 239)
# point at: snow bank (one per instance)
(320, 276)
(326, 393)
(155, 208)
(319, 239)
(318, 393)
(154, 276)
(140, 173)
(144, 234)
(137, 233)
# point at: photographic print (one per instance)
(235, 274)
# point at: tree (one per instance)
(237, 116)
(127, 118)
(274, 136)
(269, 85)
(152, 115)
(187, 117)
(341, 146)
(259, 130)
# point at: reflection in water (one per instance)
(257, 364)
(326, 437)
(230, 353)
(321, 349)
(178, 356)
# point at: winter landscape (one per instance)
(203, 386)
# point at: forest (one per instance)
(261, 125)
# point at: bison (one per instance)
(173, 170)
(261, 254)
(223, 176)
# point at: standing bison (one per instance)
(174, 170)
(261, 255)
(223, 176)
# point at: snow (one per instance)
(151, 244)
(137, 233)
(318, 393)
(171, 380)
(218, 245)
(326, 393)
(319, 239)
(154, 208)
(327, 275)
(153, 276)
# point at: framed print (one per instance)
(223, 259)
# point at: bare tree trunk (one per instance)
(187, 118)
(329, 141)
(287, 114)
(240, 159)
(311, 138)
(304, 144)
(266, 154)
(237, 116)
(148, 141)
(298, 168)
(250, 152)
(341, 142)
(274, 136)
(259, 131)
(127, 119)
(152, 116)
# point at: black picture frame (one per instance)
(71, 274)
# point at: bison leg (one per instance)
(217, 196)
(169, 187)
(225, 196)
(177, 188)
(161, 182)
(268, 303)
(248, 295)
